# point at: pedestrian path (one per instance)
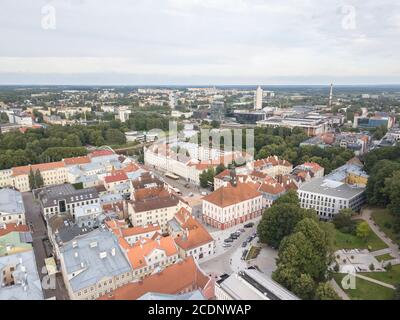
(339, 290)
(383, 284)
(394, 248)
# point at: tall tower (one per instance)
(258, 99)
(331, 96)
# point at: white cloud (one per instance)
(208, 39)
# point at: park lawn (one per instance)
(384, 257)
(382, 218)
(350, 241)
(390, 277)
(366, 290)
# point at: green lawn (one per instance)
(350, 241)
(253, 253)
(366, 290)
(384, 257)
(391, 277)
(385, 220)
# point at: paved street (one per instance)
(40, 243)
(228, 260)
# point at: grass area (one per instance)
(385, 220)
(350, 241)
(366, 290)
(253, 253)
(391, 277)
(384, 257)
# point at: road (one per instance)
(37, 224)
(227, 260)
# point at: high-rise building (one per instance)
(258, 99)
(331, 96)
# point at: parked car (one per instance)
(227, 245)
(204, 193)
(242, 230)
(228, 240)
(244, 244)
(249, 225)
(244, 254)
(249, 239)
(234, 236)
(191, 194)
(187, 185)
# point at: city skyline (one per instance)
(194, 42)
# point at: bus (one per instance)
(171, 176)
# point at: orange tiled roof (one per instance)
(230, 195)
(144, 247)
(273, 160)
(76, 160)
(116, 176)
(17, 171)
(12, 227)
(194, 234)
(131, 168)
(100, 153)
(272, 188)
(129, 232)
(175, 279)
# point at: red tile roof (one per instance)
(194, 234)
(230, 195)
(76, 160)
(100, 153)
(12, 227)
(116, 176)
(41, 167)
(144, 247)
(179, 278)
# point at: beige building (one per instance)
(154, 206)
(232, 205)
(94, 265)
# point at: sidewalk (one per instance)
(394, 249)
(383, 284)
(339, 290)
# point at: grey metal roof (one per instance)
(86, 262)
(28, 285)
(50, 196)
(11, 202)
(324, 186)
(251, 284)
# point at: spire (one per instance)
(331, 96)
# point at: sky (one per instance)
(199, 42)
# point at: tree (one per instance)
(291, 197)
(326, 292)
(3, 117)
(376, 192)
(220, 169)
(115, 137)
(343, 221)
(39, 183)
(392, 189)
(215, 124)
(305, 255)
(363, 230)
(32, 183)
(278, 222)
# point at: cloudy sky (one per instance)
(206, 42)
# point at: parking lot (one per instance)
(229, 259)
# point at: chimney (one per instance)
(113, 252)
